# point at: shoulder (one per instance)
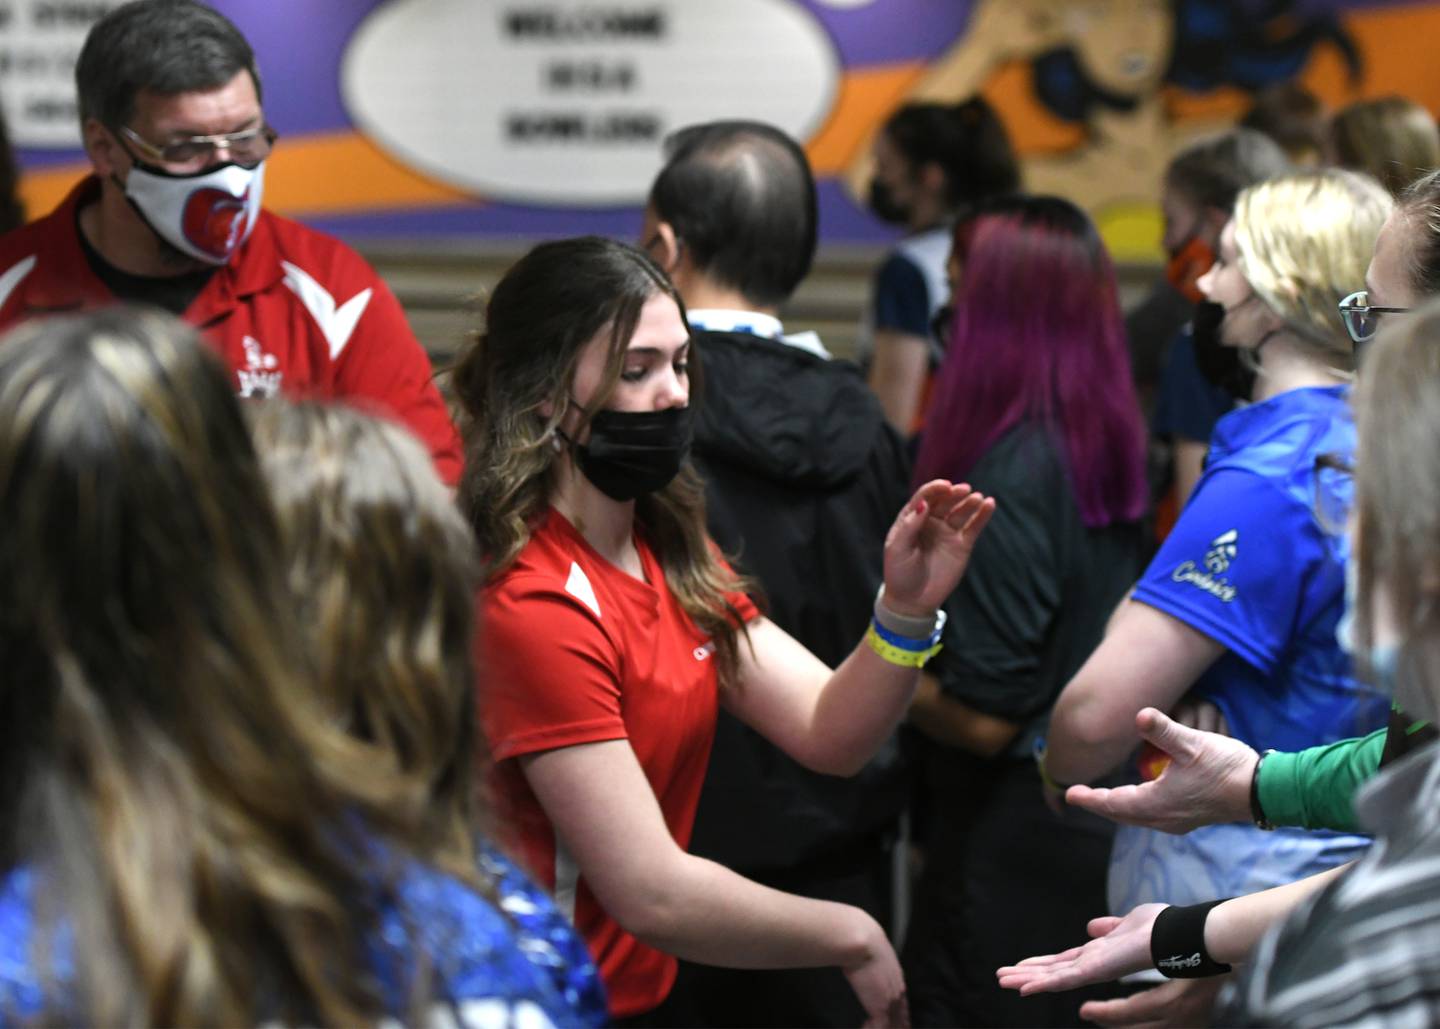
(1025, 462)
(473, 948)
(546, 938)
(551, 571)
(27, 256)
(899, 270)
(928, 249)
(30, 239)
(1286, 433)
(305, 252)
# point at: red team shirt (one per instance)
(574, 650)
(294, 311)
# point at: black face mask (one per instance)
(1221, 365)
(885, 206)
(632, 453)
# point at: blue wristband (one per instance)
(909, 642)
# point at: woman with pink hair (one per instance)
(1034, 402)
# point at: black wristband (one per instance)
(1257, 813)
(1177, 943)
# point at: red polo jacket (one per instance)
(294, 310)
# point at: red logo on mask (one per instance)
(214, 221)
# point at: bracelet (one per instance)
(1177, 942)
(902, 656)
(1257, 813)
(1037, 751)
(905, 625)
(910, 642)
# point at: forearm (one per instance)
(1314, 788)
(956, 724)
(704, 912)
(1232, 929)
(1147, 659)
(897, 375)
(1086, 740)
(857, 710)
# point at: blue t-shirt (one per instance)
(910, 287)
(529, 970)
(1251, 565)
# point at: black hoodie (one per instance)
(803, 480)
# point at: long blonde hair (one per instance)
(1305, 241)
(550, 304)
(195, 825)
(383, 571)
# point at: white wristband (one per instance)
(904, 625)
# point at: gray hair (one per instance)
(164, 46)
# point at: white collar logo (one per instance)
(261, 375)
(1224, 549)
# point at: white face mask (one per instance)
(206, 216)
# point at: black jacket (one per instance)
(803, 480)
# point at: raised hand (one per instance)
(1207, 781)
(929, 545)
(1119, 947)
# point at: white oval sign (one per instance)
(39, 42)
(568, 102)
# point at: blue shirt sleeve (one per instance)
(902, 300)
(1188, 405)
(1240, 565)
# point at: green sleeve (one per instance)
(1314, 787)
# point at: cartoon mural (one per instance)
(1101, 65)
(1096, 94)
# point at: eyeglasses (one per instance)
(1361, 320)
(246, 148)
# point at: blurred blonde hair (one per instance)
(1305, 241)
(197, 825)
(1397, 489)
(383, 571)
(1392, 138)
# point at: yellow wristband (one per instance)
(1038, 751)
(895, 656)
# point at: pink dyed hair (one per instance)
(1037, 336)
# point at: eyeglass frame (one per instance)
(226, 140)
(1348, 307)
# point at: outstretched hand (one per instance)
(1119, 947)
(1206, 781)
(929, 545)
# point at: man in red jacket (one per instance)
(171, 119)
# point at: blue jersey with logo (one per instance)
(1257, 563)
(527, 969)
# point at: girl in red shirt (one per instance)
(611, 629)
